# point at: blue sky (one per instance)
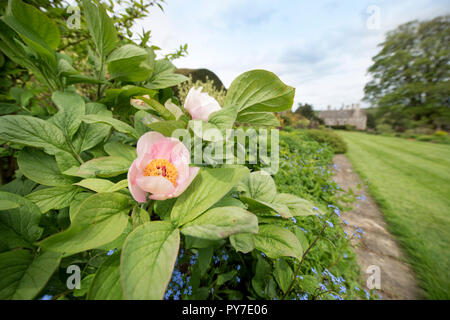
(322, 48)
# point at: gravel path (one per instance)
(377, 247)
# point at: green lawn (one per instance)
(410, 180)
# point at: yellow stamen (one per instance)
(162, 167)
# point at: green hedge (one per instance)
(330, 138)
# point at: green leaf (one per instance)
(258, 119)
(105, 167)
(100, 219)
(163, 76)
(139, 217)
(53, 198)
(264, 208)
(225, 277)
(259, 90)
(106, 283)
(71, 108)
(204, 259)
(84, 286)
(242, 242)
(301, 237)
(117, 243)
(42, 168)
(277, 242)
(262, 276)
(224, 118)
(101, 27)
(76, 203)
(208, 187)
(24, 275)
(8, 205)
(167, 127)
(32, 131)
(65, 161)
(22, 96)
(31, 23)
(89, 135)
(116, 124)
(156, 107)
(7, 108)
(296, 205)
(94, 184)
(19, 227)
(221, 222)
(122, 184)
(148, 259)
(118, 149)
(283, 274)
(129, 63)
(258, 185)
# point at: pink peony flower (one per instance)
(200, 105)
(161, 168)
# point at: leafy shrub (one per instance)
(384, 128)
(441, 133)
(208, 87)
(305, 171)
(425, 138)
(329, 137)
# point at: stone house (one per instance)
(353, 116)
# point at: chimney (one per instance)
(357, 107)
(353, 106)
(329, 107)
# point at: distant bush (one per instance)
(349, 127)
(425, 138)
(384, 128)
(330, 138)
(208, 86)
(424, 131)
(440, 133)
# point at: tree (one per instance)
(306, 110)
(410, 75)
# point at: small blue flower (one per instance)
(110, 252)
(315, 208)
(314, 270)
(294, 220)
(330, 223)
(262, 253)
(238, 267)
(47, 297)
(238, 279)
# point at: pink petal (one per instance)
(146, 142)
(163, 148)
(155, 184)
(137, 193)
(182, 187)
(180, 158)
(200, 105)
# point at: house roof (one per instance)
(339, 114)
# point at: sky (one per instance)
(322, 48)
